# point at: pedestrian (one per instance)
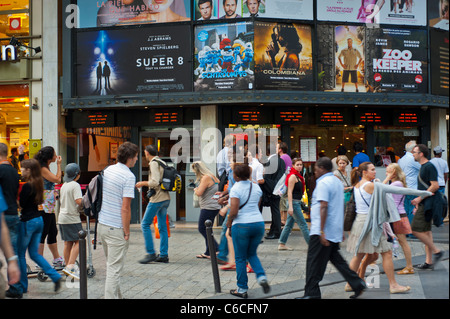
(360, 157)
(295, 184)
(340, 150)
(208, 185)
(327, 220)
(115, 214)
(247, 229)
(411, 169)
(45, 156)
(69, 218)
(158, 203)
(9, 183)
(256, 166)
(10, 255)
(273, 171)
(441, 166)
(427, 179)
(223, 163)
(396, 177)
(13, 159)
(344, 176)
(32, 224)
(282, 150)
(368, 234)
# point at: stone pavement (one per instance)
(187, 277)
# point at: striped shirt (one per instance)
(118, 182)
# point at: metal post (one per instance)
(83, 262)
(212, 253)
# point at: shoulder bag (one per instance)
(349, 212)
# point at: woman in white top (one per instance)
(363, 190)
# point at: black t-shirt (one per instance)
(427, 173)
(9, 180)
(28, 203)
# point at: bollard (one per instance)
(212, 253)
(83, 262)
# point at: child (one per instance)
(69, 218)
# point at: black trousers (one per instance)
(316, 263)
(275, 227)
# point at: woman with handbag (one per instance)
(401, 228)
(344, 176)
(247, 229)
(295, 188)
(208, 185)
(368, 235)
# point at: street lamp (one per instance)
(17, 43)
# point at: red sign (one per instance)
(15, 23)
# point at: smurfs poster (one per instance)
(224, 57)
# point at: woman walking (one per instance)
(368, 235)
(396, 177)
(209, 208)
(296, 187)
(32, 224)
(247, 229)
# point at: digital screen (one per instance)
(248, 116)
(408, 118)
(370, 117)
(100, 119)
(331, 117)
(166, 118)
(290, 116)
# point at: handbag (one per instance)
(349, 213)
(195, 201)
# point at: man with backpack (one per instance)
(159, 200)
(115, 214)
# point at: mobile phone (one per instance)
(216, 197)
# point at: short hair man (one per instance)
(327, 220)
(206, 8)
(421, 224)
(441, 166)
(230, 6)
(352, 60)
(115, 215)
(253, 7)
(157, 206)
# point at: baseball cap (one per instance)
(438, 149)
(71, 172)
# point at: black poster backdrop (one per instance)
(396, 60)
(283, 56)
(440, 62)
(134, 61)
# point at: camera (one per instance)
(151, 192)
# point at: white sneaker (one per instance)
(74, 273)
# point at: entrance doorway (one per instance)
(160, 137)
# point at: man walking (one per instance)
(411, 169)
(422, 221)
(157, 206)
(115, 214)
(327, 220)
(441, 166)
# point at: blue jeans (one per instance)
(223, 243)
(246, 239)
(297, 217)
(160, 210)
(29, 239)
(13, 226)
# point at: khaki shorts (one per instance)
(419, 224)
(284, 204)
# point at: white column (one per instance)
(211, 139)
(439, 129)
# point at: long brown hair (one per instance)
(357, 172)
(35, 178)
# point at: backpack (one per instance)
(92, 200)
(171, 179)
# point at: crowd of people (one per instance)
(244, 184)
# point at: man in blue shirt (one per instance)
(327, 230)
(360, 157)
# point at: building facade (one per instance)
(318, 73)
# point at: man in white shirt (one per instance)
(441, 166)
(115, 215)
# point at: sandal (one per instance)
(202, 256)
(228, 267)
(234, 292)
(406, 271)
(399, 290)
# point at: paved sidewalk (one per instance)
(187, 277)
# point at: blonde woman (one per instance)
(344, 176)
(208, 185)
(396, 177)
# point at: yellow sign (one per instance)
(35, 146)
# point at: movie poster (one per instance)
(283, 56)
(405, 12)
(280, 9)
(205, 10)
(224, 57)
(230, 9)
(134, 61)
(341, 58)
(438, 14)
(112, 13)
(397, 60)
